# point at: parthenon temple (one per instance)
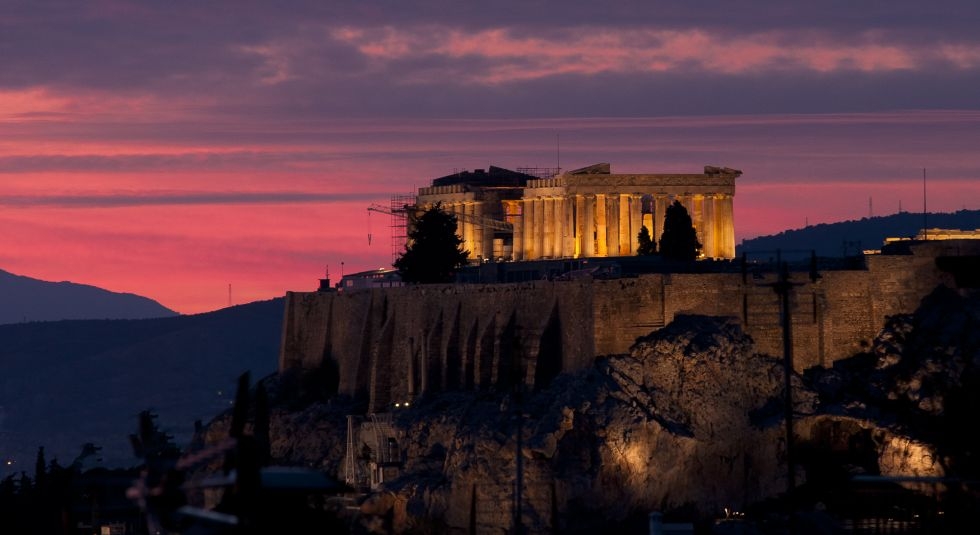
(588, 212)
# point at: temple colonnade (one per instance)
(608, 224)
(586, 213)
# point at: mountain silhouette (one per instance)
(65, 383)
(25, 299)
(848, 238)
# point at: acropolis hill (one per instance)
(389, 345)
(644, 390)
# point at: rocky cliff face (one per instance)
(689, 422)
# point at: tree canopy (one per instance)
(679, 240)
(434, 252)
(645, 245)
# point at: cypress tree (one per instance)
(645, 245)
(679, 240)
(435, 252)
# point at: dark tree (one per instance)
(435, 252)
(679, 240)
(645, 245)
(40, 467)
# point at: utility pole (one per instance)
(783, 288)
(558, 151)
(518, 398)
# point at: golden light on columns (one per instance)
(589, 227)
(659, 211)
(529, 230)
(548, 222)
(515, 209)
(588, 212)
(600, 225)
(538, 227)
(625, 233)
(636, 221)
(612, 224)
(568, 247)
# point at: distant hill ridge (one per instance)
(68, 382)
(26, 299)
(847, 238)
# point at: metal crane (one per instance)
(403, 211)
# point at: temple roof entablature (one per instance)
(635, 184)
(447, 194)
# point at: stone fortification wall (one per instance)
(389, 345)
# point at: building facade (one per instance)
(588, 212)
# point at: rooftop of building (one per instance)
(499, 177)
(493, 177)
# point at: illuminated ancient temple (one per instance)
(588, 212)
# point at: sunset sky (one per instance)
(174, 148)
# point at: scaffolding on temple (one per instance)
(398, 209)
(540, 172)
(400, 204)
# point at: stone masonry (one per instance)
(392, 344)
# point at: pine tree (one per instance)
(679, 240)
(435, 252)
(645, 245)
(40, 468)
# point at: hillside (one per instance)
(65, 383)
(26, 299)
(851, 237)
(689, 422)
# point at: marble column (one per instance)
(517, 247)
(625, 238)
(568, 249)
(548, 222)
(719, 223)
(484, 234)
(659, 212)
(648, 223)
(589, 226)
(469, 241)
(710, 248)
(726, 235)
(688, 201)
(636, 220)
(559, 249)
(697, 217)
(579, 226)
(453, 208)
(600, 225)
(529, 230)
(612, 224)
(538, 249)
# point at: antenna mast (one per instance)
(925, 231)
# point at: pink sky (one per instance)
(172, 149)
(270, 219)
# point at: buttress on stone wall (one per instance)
(390, 345)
